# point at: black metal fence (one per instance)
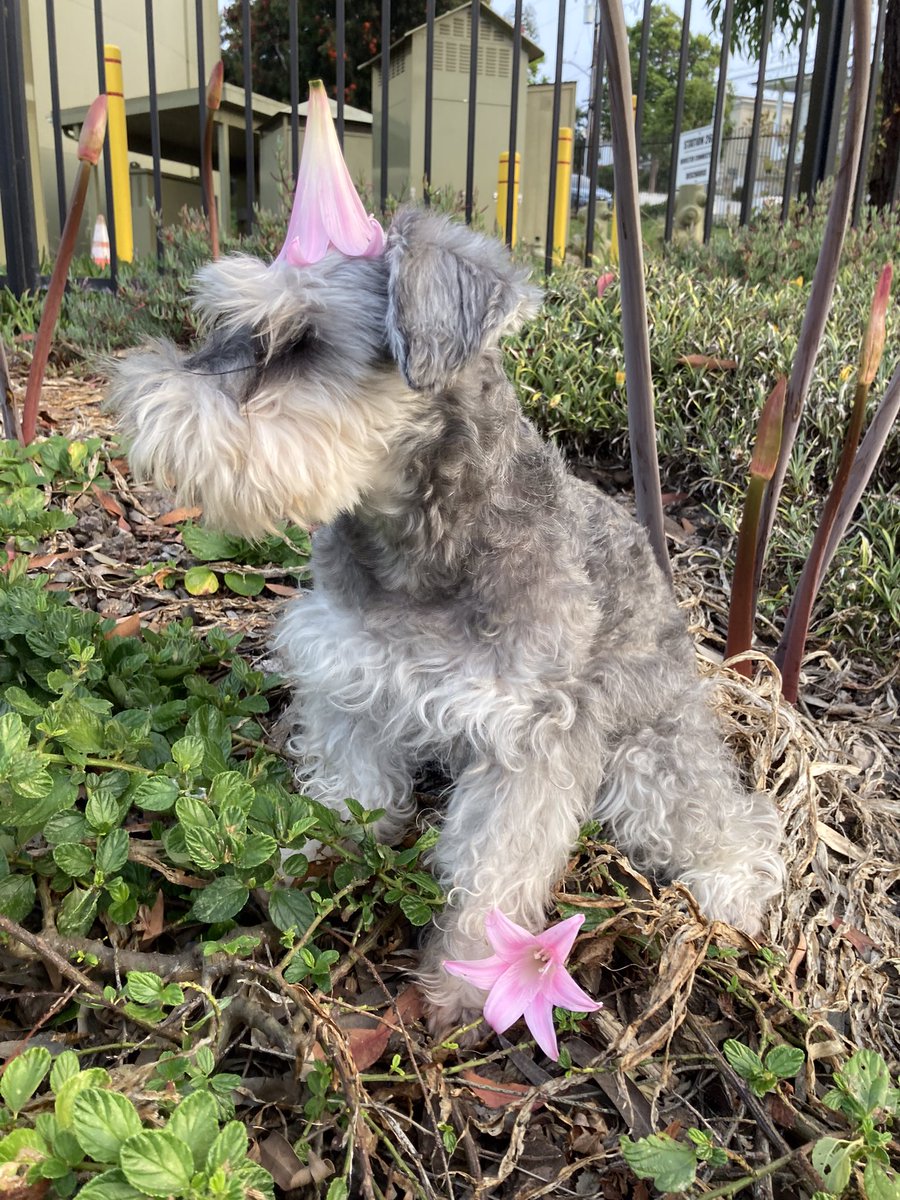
(740, 173)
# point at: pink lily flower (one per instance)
(526, 976)
(327, 213)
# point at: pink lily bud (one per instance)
(526, 977)
(603, 283)
(93, 131)
(214, 86)
(328, 213)
(873, 339)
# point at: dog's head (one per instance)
(311, 375)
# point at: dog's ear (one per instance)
(451, 293)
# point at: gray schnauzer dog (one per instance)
(474, 605)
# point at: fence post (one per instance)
(16, 195)
(826, 96)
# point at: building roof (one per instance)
(179, 125)
(532, 49)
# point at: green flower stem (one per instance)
(789, 654)
(740, 613)
(102, 763)
(738, 1185)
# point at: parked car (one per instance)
(581, 191)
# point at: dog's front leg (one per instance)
(505, 842)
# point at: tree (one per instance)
(663, 56)
(788, 20)
(271, 52)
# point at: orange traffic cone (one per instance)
(100, 242)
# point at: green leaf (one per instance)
(744, 1061)
(416, 911)
(74, 859)
(257, 849)
(93, 1077)
(785, 1061)
(254, 1178)
(112, 852)
(65, 1065)
(17, 895)
(878, 1184)
(14, 734)
(156, 794)
(66, 827)
(671, 1165)
(296, 865)
(77, 912)
(229, 1148)
(866, 1078)
(102, 813)
(157, 1162)
(187, 752)
(23, 1075)
(111, 1185)
(223, 898)
(104, 1121)
(143, 987)
(337, 1190)
(244, 584)
(832, 1159)
(21, 1139)
(290, 909)
(200, 581)
(231, 788)
(195, 1121)
(209, 545)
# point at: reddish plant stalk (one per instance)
(213, 100)
(89, 146)
(789, 654)
(762, 467)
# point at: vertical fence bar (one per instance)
(719, 118)
(207, 201)
(590, 216)
(385, 78)
(16, 195)
(753, 144)
(341, 80)
(154, 127)
(249, 142)
(795, 115)
(862, 176)
(512, 198)
(642, 79)
(295, 90)
(554, 137)
(473, 94)
(429, 99)
(107, 164)
(679, 117)
(54, 110)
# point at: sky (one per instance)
(578, 41)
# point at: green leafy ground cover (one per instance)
(168, 986)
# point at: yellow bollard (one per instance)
(118, 153)
(614, 225)
(563, 200)
(502, 186)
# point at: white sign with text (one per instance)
(694, 156)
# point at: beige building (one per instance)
(452, 58)
(124, 25)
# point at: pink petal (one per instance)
(508, 939)
(509, 997)
(327, 212)
(603, 283)
(539, 1019)
(562, 990)
(559, 939)
(482, 972)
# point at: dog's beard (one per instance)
(290, 451)
(253, 436)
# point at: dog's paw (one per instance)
(456, 1015)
